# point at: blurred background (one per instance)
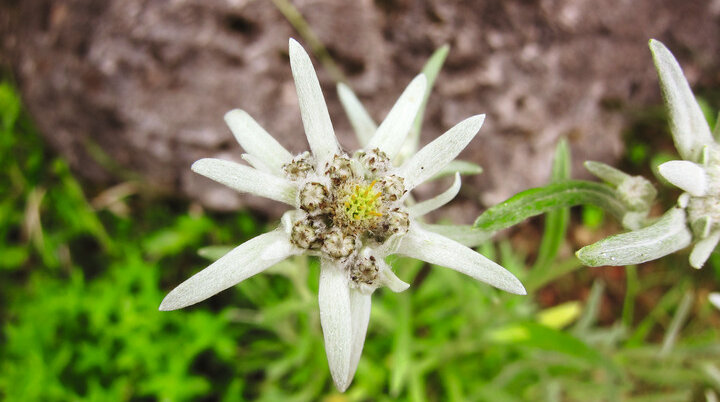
(104, 106)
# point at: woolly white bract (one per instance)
(348, 209)
(696, 218)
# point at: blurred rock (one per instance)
(148, 82)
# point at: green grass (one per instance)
(81, 281)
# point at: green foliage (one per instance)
(80, 288)
(667, 235)
(536, 201)
(556, 221)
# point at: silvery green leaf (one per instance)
(689, 128)
(667, 235)
(464, 234)
(561, 162)
(703, 248)
(459, 166)
(556, 221)
(673, 330)
(536, 201)
(634, 220)
(688, 176)
(431, 71)
(716, 130)
(606, 172)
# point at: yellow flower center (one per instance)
(362, 203)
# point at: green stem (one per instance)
(316, 46)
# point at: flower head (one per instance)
(696, 217)
(698, 174)
(349, 210)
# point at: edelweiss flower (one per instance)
(699, 173)
(696, 218)
(349, 211)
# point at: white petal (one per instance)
(280, 248)
(702, 250)
(247, 180)
(466, 235)
(256, 141)
(239, 264)
(701, 226)
(314, 112)
(360, 119)
(430, 70)
(683, 200)
(715, 299)
(336, 321)
(689, 128)
(440, 250)
(258, 164)
(435, 155)
(459, 166)
(436, 202)
(389, 279)
(687, 176)
(360, 312)
(392, 132)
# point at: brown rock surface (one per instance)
(149, 81)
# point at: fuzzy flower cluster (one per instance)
(348, 209)
(698, 174)
(696, 217)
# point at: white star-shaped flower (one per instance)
(349, 211)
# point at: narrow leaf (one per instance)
(556, 221)
(539, 200)
(667, 235)
(676, 324)
(431, 71)
(606, 172)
